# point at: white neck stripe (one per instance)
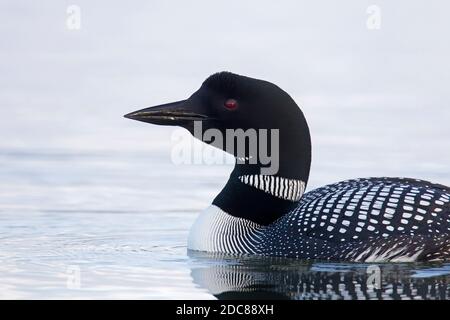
(284, 188)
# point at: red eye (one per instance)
(231, 104)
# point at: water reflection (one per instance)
(229, 277)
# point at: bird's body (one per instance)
(377, 219)
(364, 220)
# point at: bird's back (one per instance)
(366, 219)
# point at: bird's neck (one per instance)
(261, 198)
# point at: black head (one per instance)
(228, 101)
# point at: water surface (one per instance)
(112, 225)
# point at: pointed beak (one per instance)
(170, 114)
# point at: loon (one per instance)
(362, 220)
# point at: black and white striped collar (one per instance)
(283, 188)
(259, 198)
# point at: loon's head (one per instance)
(227, 101)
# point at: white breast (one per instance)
(217, 231)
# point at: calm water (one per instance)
(114, 225)
(91, 205)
